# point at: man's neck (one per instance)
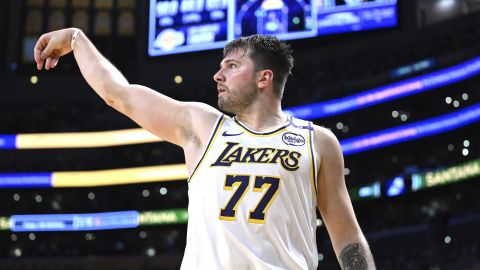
(262, 119)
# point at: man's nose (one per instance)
(218, 77)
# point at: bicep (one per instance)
(170, 119)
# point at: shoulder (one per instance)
(202, 115)
(326, 143)
(202, 118)
(202, 108)
(324, 135)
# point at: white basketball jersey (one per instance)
(252, 199)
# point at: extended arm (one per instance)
(181, 123)
(335, 207)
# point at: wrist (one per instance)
(74, 37)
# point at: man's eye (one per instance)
(232, 66)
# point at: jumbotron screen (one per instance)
(180, 26)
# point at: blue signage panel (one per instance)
(74, 222)
(26, 180)
(353, 16)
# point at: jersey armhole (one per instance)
(313, 159)
(213, 135)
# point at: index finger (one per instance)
(37, 51)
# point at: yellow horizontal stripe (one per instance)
(85, 139)
(120, 176)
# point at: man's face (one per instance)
(236, 83)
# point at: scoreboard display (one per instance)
(178, 26)
(284, 19)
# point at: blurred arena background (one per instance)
(397, 82)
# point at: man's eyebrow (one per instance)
(228, 61)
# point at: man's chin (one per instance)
(224, 107)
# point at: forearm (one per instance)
(100, 74)
(356, 256)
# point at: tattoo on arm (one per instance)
(353, 257)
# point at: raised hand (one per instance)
(51, 46)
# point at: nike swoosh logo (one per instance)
(225, 134)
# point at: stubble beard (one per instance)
(238, 100)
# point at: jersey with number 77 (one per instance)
(252, 199)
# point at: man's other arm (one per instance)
(334, 203)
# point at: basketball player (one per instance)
(255, 178)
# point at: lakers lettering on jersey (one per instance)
(252, 199)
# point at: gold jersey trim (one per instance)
(313, 173)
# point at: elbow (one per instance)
(116, 96)
(110, 101)
(108, 94)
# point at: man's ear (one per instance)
(265, 78)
